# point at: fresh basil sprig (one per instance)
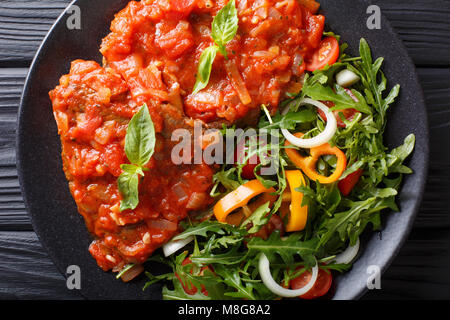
(140, 139)
(204, 68)
(224, 28)
(139, 147)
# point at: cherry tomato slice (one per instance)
(320, 288)
(348, 114)
(346, 185)
(326, 54)
(275, 224)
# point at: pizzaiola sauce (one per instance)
(151, 56)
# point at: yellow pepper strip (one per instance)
(239, 198)
(308, 164)
(236, 219)
(298, 214)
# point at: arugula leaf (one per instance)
(179, 294)
(225, 26)
(154, 279)
(203, 228)
(290, 120)
(227, 178)
(258, 219)
(369, 72)
(285, 248)
(347, 224)
(339, 97)
(227, 258)
(140, 138)
(399, 154)
(232, 278)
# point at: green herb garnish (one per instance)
(139, 147)
(224, 28)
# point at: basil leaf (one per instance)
(204, 68)
(128, 184)
(140, 139)
(225, 26)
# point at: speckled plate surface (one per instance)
(54, 216)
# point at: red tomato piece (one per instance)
(314, 28)
(320, 288)
(275, 224)
(326, 54)
(348, 114)
(311, 5)
(181, 8)
(248, 171)
(346, 185)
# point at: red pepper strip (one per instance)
(346, 185)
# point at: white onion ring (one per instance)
(174, 245)
(348, 255)
(320, 139)
(266, 276)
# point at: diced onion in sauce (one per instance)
(132, 273)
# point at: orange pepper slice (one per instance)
(239, 198)
(298, 214)
(308, 164)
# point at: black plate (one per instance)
(53, 212)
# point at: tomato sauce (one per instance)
(92, 107)
(156, 43)
(151, 56)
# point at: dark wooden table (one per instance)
(421, 270)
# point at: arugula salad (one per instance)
(325, 196)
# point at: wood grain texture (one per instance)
(23, 25)
(27, 272)
(423, 26)
(420, 271)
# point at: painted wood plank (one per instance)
(26, 270)
(422, 25)
(420, 271)
(23, 25)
